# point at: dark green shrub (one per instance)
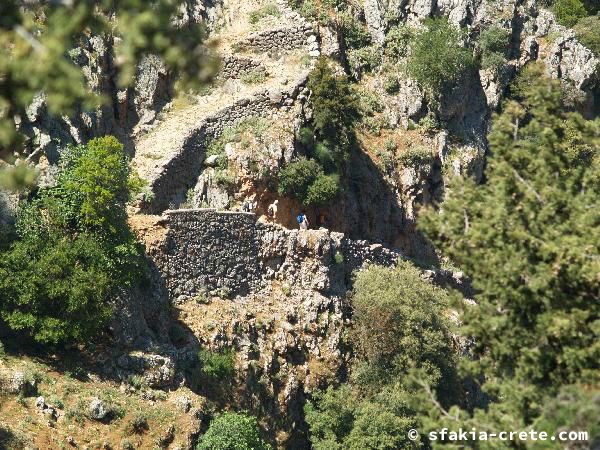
(324, 156)
(355, 33)
(365, 59)
(399, 321)
(495, 40)
(334, 109)
(296, 177)
(438, 58)
(399, 329)
(391, 85)
(219, 365)
(592, 6)
(568, 12)
(493, 46)
(306, 136)
(233, 431)
(397, 41)
(74, 248)
(55, 288)
(415, 156)
(588, 33)
(306, 181)
(323, 190)
(137, 425)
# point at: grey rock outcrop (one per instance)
(17, 383)
(97, 409)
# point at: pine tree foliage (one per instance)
(530, 239)
(36, 38)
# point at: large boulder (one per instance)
(98, 409)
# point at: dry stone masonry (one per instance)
(231, 253)
(234, 66)
(180, 172)
(283, 38)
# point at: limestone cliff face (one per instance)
(126, 112)
(276, 296)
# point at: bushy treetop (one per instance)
(233, 431)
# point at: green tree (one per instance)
(397, 41)
(306, 181)
(296, 177)
(323, 190)
(99, 176)
(568, 12)
(400, 323)
(493, 46)
(335, 109)
(400, 330)
(233, 431)
(529, 237)
(74, 249)
(55, 288)
(438, 58)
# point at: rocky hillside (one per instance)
(241, 310)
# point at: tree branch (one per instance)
(528, 186)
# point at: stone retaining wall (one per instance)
(235, 66)
(283, 38)
(181, 171)
(233, 254)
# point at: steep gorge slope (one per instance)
(222, 280)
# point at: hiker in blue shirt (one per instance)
(302, 221)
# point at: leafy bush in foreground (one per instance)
(73, 250)
(526, 238)
(233, 431)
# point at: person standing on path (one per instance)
(272, 210)
(304, 224)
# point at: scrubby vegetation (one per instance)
(494, 45)
(587, 31)
(568, 12)
(401, 331)
(218, 365)
(233, 431)
(268, 9)
(73, 249)
(438, 58)
(581, 16)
